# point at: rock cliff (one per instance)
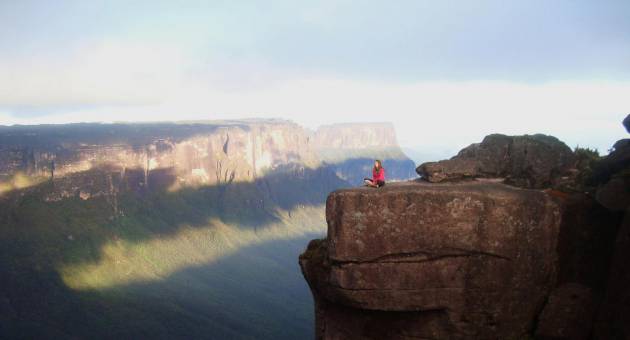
(211, 153)
(435, 261)
(515, 237)
(612, 177)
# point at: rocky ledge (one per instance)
(420, 260)
(477, 250)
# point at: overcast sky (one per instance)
(446, 73)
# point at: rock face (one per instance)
(614, 318)
(352, 148)
(206, 153)
(626, 123)
(568, 314)
(419, 260)
(212, 153)
(535, 161)
(612, 175)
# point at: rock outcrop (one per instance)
(419, 260)
(352, 148)
(613, 179)
(460, 255)
(530, 161)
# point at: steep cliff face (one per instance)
(434, 261)
(612, 177)
(198, 153)
(352, 148)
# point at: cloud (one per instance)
(99, 73)
(445, 73)
(427, 115)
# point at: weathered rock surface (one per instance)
(530, 161)
(626, 123)
(568, 314)
(419, 260)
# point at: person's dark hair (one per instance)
(380, 165)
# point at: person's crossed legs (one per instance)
(370, 183)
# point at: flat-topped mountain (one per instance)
(352, 147)
(197, 153)
(194, 153)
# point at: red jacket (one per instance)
(378, 176)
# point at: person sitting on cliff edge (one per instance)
(378, 176)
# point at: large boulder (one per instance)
(626, 123)
(420, 260)
(614, 163)
(612, 176)
(529, 161)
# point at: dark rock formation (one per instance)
(613, 179)
(616, 161)
(535, 161)
(418, 260)
(626, 123)
(587, 233)
(614, 318)
(568, 314)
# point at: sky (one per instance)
(446, 73)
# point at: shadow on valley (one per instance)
(256, 293)
(61, 240)
(53, 213)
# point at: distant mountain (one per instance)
(162, 230)
(352, 148)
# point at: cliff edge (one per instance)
(516, 237)
(420, 260)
